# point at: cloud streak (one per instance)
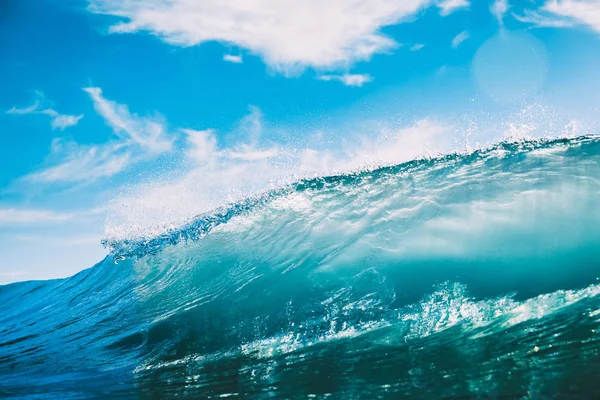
(80, 163)
(460, 38)
(136, 139)
(564, 13)
(447, 7)
(233, 58)
(149, 133)
(24, 111)
(61, 121)
(355, 80)
(57, 120)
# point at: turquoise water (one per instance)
(464, 276)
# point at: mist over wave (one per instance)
(469, 274)
(213, 175)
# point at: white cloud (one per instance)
(417, 47)
(23, 111)
(62, 121)
(564, 13)
(146, 132)
(586, 12)
(499, 8)
(79, 163)
(236, 59)
(202, 145)
(461, 37)
(138, 138)
(29, 216)
(58, 121)
(289, 35)
(251, 125)
(203, 150)
(542, 21)
(356, 80)
(447, 7)
(392, 146)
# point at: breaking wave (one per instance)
(464, 275)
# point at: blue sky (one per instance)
(124, 118)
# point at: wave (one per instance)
(463, 275)
(201, 225)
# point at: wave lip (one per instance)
(195, 230)
(201, 225)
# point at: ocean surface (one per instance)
(464, 276)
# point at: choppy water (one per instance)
(465, 276)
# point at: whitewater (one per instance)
(465, 275)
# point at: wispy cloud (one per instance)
(355, 80)
(202, 149)
(236, 59)
(447, 7)
(289, 35)
(499, 8)
(62, 121)
(80, 163)
(417, 47)
(458, 39)
(147, 132)
(585, 12)
(137, 138)
(23, 111)
(202, 145)
(564, 13)
(542, 20)
(58, 121)
(30, 216)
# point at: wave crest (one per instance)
(506, 154)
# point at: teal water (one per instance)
(463, 276)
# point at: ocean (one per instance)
(467, 275)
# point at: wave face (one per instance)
(468, 275)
